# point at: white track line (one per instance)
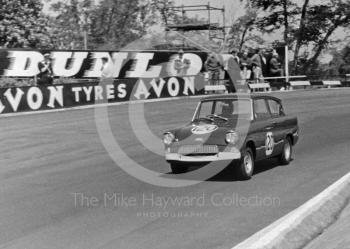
(270, 236)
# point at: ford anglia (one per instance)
(238, 129)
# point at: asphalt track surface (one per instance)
(46, 158)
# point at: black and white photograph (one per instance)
(174, 124)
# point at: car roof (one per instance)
(239, 96)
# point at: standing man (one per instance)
(234, 53)
(275, 65)
(264, 62)
(45, 76)
(214, 66)
(182, 64)
(106, 70)
(245, 60)
(256, 59)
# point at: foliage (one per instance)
(323, 20)
(115, 23)
(277, 14)
(305, 26)
(108, 25)
(341, 61)
(71, 20)
(23, 25)
(164, 9)
(241, 32)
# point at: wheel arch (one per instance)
(290, 136)
(250, 144)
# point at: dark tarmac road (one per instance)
(58, 184)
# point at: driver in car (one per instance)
(227, 109)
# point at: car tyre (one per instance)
(246, 165)
(177, 168)
(286, 156)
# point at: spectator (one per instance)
(245, 60)
(264, 62)
(234, 53)
(106, 70)
(232, 73)
(245, 72)
(45, 76)
(275, 65)
(256, 58)
(182, 64)
(257, 75)
(214, 66)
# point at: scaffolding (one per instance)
(212, 28)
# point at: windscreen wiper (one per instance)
(205, 118)
(217, 116)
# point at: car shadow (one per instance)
(230, 173)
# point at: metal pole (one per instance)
(209, 20)
(85, 40)
(224, 24)
(286, 62)
(183, 22)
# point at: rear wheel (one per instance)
(287, 152)
(246, 165)
(177, 168)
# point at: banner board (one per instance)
(133, 75)
(36, 98)
(89, 64)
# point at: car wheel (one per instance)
(286, 155)
(177, 168)
(246, 166)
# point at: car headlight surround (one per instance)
(232, 137)
(168, 138)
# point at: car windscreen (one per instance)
(226, 108)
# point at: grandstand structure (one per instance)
(213, 28)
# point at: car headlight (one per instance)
(232, 137)
(168, 138)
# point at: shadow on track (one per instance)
(230, 173)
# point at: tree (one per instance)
(305, 27)
(241, 30)
(342, 60)
(111, 24)
(276, 14)
(164, 8)
(23, 25)
(322, 22)
(115, 23)
(147, 15)
(299, 35)
(71, 24)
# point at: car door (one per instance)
(278, 120)
(263, 129)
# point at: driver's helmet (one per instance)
(227, 108)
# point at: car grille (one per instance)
(196, 150)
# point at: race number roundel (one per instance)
(269, 143)
(204, 129)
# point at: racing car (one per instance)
(239, 129)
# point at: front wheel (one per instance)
(176, 168)
(246, 165)
(286, 156)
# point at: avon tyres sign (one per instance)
(20, 99)
(89, 64)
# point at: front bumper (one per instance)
(221, 156)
